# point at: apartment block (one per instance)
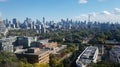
(114, 54)
(89, 55)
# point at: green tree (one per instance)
(7, 59)
(53, 61)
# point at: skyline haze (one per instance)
(99, 10)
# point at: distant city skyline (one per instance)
(98, 10)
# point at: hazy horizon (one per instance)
(99, 10)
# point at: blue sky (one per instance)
(57, 9)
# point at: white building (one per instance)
(115, 54)
(88, 56)
(6, 44)
(3, 29)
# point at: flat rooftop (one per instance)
(87, 55)
(24, 51)
(116, 50)
(36, 53)
(44, 41)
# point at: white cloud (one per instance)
(83, 1)
(117, 10)
(86, 1)
(103, 16)
(93, 14)
(3, 0)
(102, 0)
(0, 14)
(105, 13)
(84, 15)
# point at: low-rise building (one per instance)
(34, 55)
(6, 44)
(44, 44)
(114, 54)
(24, 41)
(88, 56)
(3, 29)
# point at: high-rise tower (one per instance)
(43, 19)
(3, 29)
(15, 22)
(89, 18)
